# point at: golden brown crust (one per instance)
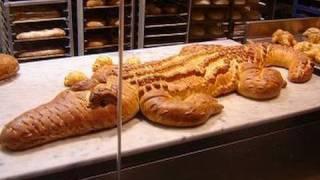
(67, 115)
(312, 35)
(258, 83)
(93, 3)
(177, 91)
(284, 38)
(54, 32)
(9, 66)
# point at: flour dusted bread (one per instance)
(9, 66)
(178, 91)
(55, 32)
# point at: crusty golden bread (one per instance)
(284, 38)
(177, 91)
(9, 66)
(96, 23)
(94, 3)
(54, 32)
(66, 115)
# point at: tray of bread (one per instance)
(35, 26)
(65, 119)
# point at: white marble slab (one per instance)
(39, 82)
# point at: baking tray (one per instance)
(39, 82)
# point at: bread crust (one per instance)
(55, 32)
(9, 66)
(178, 91)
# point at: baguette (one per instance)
(55, 32)
(43, 52)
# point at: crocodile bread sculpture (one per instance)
(179, 91)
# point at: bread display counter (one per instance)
(139, 135)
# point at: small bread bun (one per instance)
(100, 62)
(201, 2)
(216, 15)
(96, 23)
(9, 66)
(94, 3)
(220, 2)
(198, 16)
(198, 31)
(236, 15)
(74, 77)
(215, 31)
(97, 42)
(239, 2)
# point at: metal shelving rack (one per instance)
(9, 26)
(163, 29)
(238, 27)
(225, 23)
(84, 32)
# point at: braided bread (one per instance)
(177, 91)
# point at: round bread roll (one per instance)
(201, 2)
(216, 15)
(94, 3)
(198, 31)
(96, 23)
(74, 77)
(220, 2)
(9, 66)
(100, 62)
(239, 2)
(96, 42)
(198, 16)
(215, 31)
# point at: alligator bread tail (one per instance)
(68, 114)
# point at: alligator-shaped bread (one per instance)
(178, 91)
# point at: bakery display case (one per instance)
(33, 30)
(98, 26)
(163, 22)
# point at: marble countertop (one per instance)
(39, 82)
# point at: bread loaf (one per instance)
(178, 91)
(55, 32)
(41, 52)
(9, 66)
